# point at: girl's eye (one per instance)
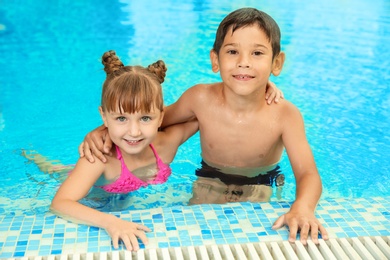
(121, 118)
(146, 118)
(232, 52)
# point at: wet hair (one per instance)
(245, 17)
(130, 89)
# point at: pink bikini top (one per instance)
(127, 181)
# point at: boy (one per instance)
(238, 130)
(242, 138)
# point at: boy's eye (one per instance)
(257, 53)
(232, 52)
(146, 118)
(121, 118)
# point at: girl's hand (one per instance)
(96, 142)
(128, 232)
(273, 93)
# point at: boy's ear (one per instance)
(214, 61)
(277, 64)
(103, 116)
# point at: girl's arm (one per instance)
(76, 186)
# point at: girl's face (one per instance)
(245, 60)
(132, 132)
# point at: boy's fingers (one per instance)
(144, 228)
(87, 153)
(293, 231)
(324, 233)
(97, 152)
(278, 223)
(115, 242)
(134, 242)
(96, 142)
(314, 233)
(107, 145)
(304, 233)
(141, 234)
(81, 149)
(127, 242)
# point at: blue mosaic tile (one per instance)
(191, 226)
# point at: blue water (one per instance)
(337, 72)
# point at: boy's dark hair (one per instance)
(249, 16)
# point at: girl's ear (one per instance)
(277, 64)
(161, 117)
(214, 61)
(103, 115)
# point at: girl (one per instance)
(132, 110)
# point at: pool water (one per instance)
(337, 72)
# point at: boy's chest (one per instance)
(220, 124)
(230, 139)
(248, 135)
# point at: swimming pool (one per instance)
(337, 72)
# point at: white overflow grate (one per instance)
(339, 248)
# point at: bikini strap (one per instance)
(118, 153)
(156, 155)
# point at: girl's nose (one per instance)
(134, 129)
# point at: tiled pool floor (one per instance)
(179, 226)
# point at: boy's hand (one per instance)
(304, 222)
(273, 93)
(96, 143)
(128, 232)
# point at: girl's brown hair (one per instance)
(131, 89)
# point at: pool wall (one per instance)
(181, 226)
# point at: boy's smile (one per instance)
(243, 77)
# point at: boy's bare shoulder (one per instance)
(203, 90)
(287, 109)
(205, 87)
(286, 104)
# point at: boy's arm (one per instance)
(177, 134)
(308, 183)
(171, 137)
(181, 111)
(76, 186)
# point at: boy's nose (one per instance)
(243, 62)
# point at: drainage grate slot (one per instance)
(340, 248)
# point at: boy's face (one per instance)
(245, 60)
